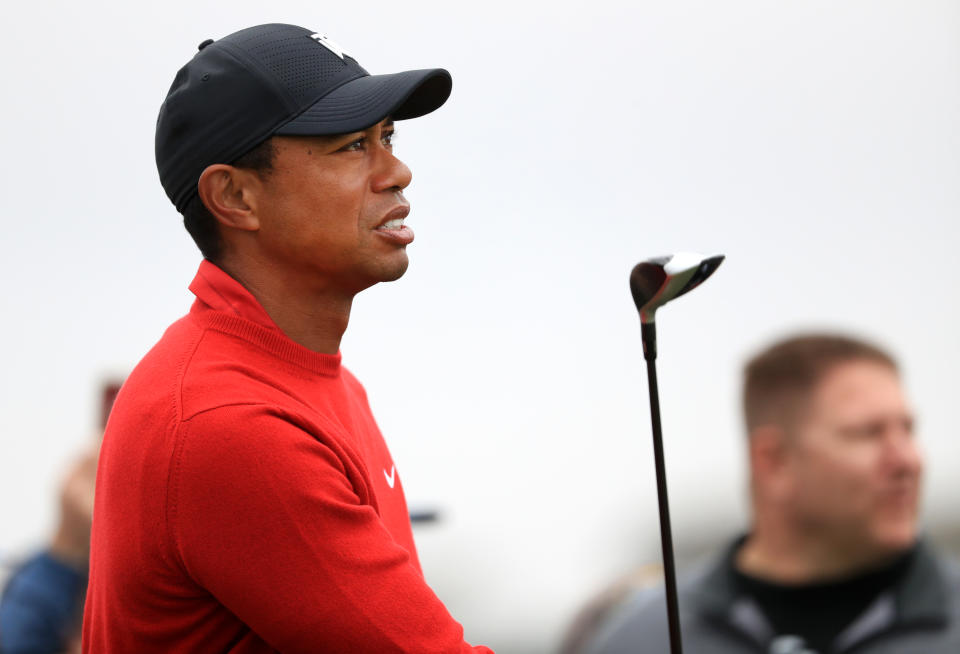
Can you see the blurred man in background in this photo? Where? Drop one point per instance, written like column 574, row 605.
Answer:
column 833, row 561
column 42, row 603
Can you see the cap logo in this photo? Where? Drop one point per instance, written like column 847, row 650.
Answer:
column 329, row 44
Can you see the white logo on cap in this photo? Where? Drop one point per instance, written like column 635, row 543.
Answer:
column 329, row 44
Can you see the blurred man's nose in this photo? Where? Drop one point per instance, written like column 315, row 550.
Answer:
column 902, row 452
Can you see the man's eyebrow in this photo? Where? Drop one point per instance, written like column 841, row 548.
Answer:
column 331, row 138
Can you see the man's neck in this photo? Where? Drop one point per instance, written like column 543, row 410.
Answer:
column 315, row 318
column 793, row 559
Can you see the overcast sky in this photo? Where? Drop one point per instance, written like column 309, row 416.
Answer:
column 814, row 143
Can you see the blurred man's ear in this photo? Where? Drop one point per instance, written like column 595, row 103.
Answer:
column 229, row 194
column 769, row 454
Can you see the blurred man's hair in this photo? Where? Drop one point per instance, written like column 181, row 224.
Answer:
column 779, row 380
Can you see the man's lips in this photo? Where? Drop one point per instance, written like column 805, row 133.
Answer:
column 392, row 226
column 900, row 496
column 394, row 217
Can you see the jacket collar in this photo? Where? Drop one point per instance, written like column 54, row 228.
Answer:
column 918, row 599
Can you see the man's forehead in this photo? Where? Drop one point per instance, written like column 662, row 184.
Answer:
column 857, row 386
column 857, row 374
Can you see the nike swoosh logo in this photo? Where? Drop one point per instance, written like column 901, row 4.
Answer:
column 391, row 477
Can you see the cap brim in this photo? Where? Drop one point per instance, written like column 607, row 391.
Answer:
column 367, row 100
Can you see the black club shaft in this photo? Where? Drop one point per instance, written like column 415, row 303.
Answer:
column 666, row 535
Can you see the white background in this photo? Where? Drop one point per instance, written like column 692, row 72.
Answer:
column 813, row 142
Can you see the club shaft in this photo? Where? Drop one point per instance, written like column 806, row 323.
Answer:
column 666, row 536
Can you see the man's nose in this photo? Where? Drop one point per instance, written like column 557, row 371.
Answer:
column 902, row 453
column 391, row 172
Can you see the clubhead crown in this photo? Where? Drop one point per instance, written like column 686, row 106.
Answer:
column 656, row 281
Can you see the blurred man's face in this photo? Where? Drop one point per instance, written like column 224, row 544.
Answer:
column 853, row 463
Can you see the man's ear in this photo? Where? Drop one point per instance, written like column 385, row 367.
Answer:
column 769, row 458
column 229, row 194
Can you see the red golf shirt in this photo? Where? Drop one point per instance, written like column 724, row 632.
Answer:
column 246, row 502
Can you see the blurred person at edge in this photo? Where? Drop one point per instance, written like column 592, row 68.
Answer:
column 246, row 501
column 833, row 561
column 42, row 602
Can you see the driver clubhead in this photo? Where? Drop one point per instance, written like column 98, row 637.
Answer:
column 656, row 281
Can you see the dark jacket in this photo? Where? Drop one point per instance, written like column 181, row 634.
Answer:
column 920, row 614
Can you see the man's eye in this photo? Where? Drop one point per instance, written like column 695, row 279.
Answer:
column 868, row 431
column 355, row 146
column 388, row 138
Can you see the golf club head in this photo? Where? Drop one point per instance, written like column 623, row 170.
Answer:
column 656, row 281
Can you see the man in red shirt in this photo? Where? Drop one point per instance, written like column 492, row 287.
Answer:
column 246, row 501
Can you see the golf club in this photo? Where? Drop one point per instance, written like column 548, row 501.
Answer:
column 653, row 283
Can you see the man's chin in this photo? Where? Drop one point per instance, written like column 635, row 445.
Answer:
column 894, row 539
column 396, row 271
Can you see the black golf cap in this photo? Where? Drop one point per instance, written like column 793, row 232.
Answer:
column 275, row 79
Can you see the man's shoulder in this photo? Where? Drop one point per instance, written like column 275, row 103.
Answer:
column 222, row 372
column 638, row 623
column 151, row 385
column 695, row 586
column 179, row 336
column 190, row 370
column 949, row 565
column 948, row 568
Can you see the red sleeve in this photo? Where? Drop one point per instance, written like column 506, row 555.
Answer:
column 264, row 516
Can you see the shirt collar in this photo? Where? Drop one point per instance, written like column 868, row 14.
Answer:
column 221, row 292
column 223, row 304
